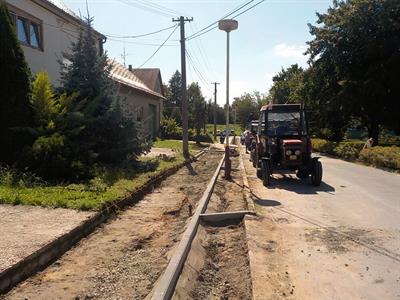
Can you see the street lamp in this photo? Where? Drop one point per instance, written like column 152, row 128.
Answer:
column 227, row 25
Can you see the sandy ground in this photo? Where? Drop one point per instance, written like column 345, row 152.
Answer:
column 25, row 229
column 337, row 241
column 228, row 194
column 155, row 152
column 123, row 259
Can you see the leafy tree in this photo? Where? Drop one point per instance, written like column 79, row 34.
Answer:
column 197, row 107
column 173, row 102
column 356, row 51
column 246, row 107
column 287, row 86
column 15, row 110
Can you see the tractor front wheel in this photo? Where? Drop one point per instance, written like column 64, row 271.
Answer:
column 266, row 172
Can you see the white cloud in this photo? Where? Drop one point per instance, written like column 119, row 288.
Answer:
column 268, row 79
column 293, row 51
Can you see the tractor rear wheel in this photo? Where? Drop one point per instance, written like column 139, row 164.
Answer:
column 316, row 174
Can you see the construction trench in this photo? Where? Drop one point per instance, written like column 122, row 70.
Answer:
column 132, row 255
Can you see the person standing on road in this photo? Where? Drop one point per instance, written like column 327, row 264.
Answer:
column 247, row 140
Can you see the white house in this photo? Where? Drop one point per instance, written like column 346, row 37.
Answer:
column 46, row 29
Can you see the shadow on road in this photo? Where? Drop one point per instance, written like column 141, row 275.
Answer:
column 299, row 186
column 267, row 202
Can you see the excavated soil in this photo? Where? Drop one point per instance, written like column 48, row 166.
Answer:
column 226, row 271
column 123, row 258
column 228, row 195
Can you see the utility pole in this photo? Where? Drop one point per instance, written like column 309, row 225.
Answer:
column 185, row 135
column 215, row 109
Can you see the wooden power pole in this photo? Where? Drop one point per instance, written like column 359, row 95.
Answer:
column 185, row 117
column 215, row 109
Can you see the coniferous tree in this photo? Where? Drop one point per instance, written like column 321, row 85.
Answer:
column 15, row 109
column 172, row 104
column 104, row 134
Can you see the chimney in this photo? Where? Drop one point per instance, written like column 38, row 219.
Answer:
column 130, row 68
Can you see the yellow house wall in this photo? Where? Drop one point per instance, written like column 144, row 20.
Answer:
column 58, row 34
column 132, row 100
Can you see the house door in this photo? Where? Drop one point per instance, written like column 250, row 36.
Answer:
column 153, row 120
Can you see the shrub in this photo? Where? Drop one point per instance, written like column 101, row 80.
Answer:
column 324, row 146
column 170, row 129
column 393, row 140
column 384, row 157
column 15, row 178
column 348, row 150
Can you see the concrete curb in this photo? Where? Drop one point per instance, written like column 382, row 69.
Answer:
column 56, row 248
column 166, row 285
column 246, row 188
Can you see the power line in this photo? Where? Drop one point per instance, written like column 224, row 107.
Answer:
column 203, row 54
column 162, row 8
column 246, row 10
column 138, row 35
column 155, row 52
column 141, row 44
column 196, row 62
column 225, row 16
column 235, row 16
column 148, row 8
column 200, row 76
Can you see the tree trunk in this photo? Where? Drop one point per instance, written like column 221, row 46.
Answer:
column 373, row 130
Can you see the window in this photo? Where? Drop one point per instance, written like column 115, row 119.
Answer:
column 29, row 29
column 286, row 123
column 34, row 35
column 22, row 30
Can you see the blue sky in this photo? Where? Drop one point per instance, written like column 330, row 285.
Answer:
column 270, row 36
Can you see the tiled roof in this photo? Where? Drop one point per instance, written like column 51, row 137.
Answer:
column 123, row 76
column 150, row 77
column 61, row 5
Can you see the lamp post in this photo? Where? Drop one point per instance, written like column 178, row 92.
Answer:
column 227, row 25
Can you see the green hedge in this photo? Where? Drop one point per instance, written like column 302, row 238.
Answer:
column 384, row 157
column 348, row 150
column 387, row 157
column 171, row 130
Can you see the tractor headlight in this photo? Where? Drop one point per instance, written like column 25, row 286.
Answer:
column 288, row 152
column 297, row 152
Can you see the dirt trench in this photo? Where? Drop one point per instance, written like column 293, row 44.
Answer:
column 217, row 266
column 123, row 258
column 228, row 195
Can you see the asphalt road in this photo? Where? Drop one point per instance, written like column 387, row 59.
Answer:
column 337, row 241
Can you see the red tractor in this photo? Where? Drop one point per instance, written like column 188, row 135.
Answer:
column 283, row 144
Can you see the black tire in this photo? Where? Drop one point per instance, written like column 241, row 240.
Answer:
column 316, row 174
column 253, row 158
column 266, row 173
column 301, row 174
column 259, row 173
